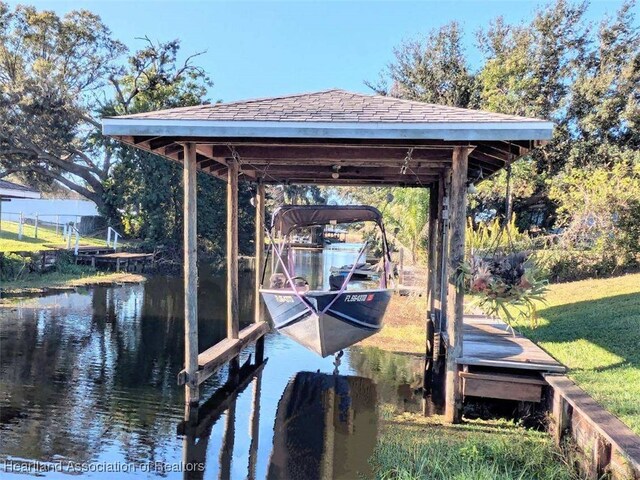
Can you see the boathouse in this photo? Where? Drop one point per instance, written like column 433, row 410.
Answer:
column 334, row 137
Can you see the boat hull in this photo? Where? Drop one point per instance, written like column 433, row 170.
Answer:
column 352, row 317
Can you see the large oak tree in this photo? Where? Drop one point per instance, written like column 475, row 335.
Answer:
column 58, row 76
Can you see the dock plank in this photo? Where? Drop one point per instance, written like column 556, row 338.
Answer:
column 489, row 342
column 223, row 351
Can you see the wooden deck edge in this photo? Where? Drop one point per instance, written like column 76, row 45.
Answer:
column 502, row 386
column 214, row 357
column 607, row 425
column 543, row 367
column 499, row 377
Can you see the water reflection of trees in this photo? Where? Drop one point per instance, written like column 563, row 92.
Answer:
column 80, row 370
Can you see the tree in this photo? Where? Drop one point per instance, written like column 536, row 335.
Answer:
column 604, row 107
column 50, row 68
column 409, row 211
column 555, row 66
column 599, row 207
column 433, row 69
column 59, row 76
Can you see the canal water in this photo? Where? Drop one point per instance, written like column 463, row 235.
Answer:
column 88, row 387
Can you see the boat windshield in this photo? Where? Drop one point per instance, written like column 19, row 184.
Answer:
column 332, row 257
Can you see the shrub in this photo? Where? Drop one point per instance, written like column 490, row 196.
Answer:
column 599, row 209
column 562, row 265
column 13, row 266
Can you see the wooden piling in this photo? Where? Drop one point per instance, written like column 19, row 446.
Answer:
column 432, row 264
column 440, row 296
column 192, row 394
column 233, row 308
column 455, row 294
column 260, row 213
column 431, row 272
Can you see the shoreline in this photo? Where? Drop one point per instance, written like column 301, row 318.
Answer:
column 56, row 282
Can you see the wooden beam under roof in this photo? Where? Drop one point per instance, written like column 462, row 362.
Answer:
column 249, row 154
column 353, row 182
column 434, row 157
column 326, row 153
column 345, row 170
column 157, row 142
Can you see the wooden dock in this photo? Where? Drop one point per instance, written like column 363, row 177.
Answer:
column 104, row 256
column 119, row 260
column 489, row 342
column 499, row 363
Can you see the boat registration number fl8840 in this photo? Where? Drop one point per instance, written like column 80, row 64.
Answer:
column 359, row 298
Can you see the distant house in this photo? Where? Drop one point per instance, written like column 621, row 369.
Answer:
column 27, row 203
column 9, row 191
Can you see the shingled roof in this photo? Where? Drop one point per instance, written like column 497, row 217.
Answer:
column 333, row 137
column 14, row 190
column 333, row 105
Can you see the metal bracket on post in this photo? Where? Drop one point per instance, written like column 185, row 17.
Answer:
column 184, row 378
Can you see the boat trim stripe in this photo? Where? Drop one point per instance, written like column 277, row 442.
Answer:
column 348, row 319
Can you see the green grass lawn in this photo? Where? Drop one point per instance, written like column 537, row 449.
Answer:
column 593, row 327
column 411, row 446
column 9, row 241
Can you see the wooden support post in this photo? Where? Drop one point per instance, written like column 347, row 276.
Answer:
column 192, row 393
column 508, row 201
column 561, row 413
column 440, row 298
column 260, row 213
column 35, row 233
column 233, row 310
column 432, row 265
column 455, row 294
column 430, row 353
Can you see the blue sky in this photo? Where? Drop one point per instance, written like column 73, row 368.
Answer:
column 257, row 49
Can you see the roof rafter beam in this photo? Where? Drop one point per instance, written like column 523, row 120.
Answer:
column 325, row 153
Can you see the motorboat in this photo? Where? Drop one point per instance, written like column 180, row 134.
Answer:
column 343, row 312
